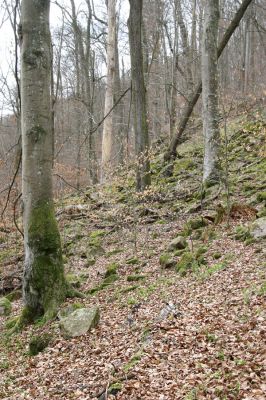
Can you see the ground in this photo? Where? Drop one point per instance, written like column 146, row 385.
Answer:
column 161, row 335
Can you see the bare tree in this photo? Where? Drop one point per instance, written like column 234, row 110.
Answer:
column 138, row 95
column 209, row 73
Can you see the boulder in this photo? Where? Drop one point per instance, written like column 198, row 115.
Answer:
column 258, row 228
column 5, row 306
column 80, row 322
column 179, row 243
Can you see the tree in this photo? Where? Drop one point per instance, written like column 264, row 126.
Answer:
column 171, row 151
column 109, row 142
column 209, row 73
column 44, row 285
column 139, row 95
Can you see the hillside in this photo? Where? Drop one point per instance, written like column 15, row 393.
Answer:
column 177, row 274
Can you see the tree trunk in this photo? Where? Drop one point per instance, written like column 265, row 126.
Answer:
column 171, row 151
column 209, row 73
column 44, row 286
column 139, row 96
column 108, row 127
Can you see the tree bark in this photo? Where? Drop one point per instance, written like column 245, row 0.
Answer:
column 44, row 286
column 210, row 112
column 171, row 151
column 143, row 178
column 108, row 151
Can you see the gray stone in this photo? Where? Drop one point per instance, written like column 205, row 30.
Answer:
column 258, row 228
column 80, row 322
column 179, row 243
column 5, row 306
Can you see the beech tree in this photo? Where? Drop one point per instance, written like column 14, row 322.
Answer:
column 44, row 285
column 211, row 134
column 138, row 95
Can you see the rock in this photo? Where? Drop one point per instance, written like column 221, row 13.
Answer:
column 179, row 243
column 5, row 306
column 258, row 228
column 80, row 322
column 66, row 311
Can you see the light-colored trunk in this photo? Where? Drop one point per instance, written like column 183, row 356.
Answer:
column 108, row 126
column 138, row 95
column 186, row 48
column 44, row 286
column 211, row 166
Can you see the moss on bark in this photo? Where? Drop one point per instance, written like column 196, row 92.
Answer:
column 44, row 282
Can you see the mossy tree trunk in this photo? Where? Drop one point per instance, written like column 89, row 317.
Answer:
column 44, row 285
column 139, row 95
column 211, row 163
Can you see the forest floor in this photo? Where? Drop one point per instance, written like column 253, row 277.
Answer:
column 190, row 331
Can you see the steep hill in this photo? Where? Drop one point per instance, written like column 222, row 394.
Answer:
column 179, row 278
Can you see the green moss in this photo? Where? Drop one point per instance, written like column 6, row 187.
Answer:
column 97, row 234
column 39, row 343
column 166, row 261
column 115, row 388
column 200, row 251
column 111, row 269
column 179, row 253
column 186, row 263
column 129, row 289
column 7, row 254
column 197, row 223
column 212, row 270
column 106, row 282
column 133, row 361
column 217, row 255
column 133, row 278
column 5, row 306
column 74, row 280
column 242, row 233
column 132, row 261
column 11, row 322
column 15, row 295
column 45, row 284
column 261, row 197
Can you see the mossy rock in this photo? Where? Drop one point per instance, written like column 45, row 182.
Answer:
column 189, row 263
column 66, row 311
column 197, row 223
column 91, row 260
column 95, row 248
column 178, row 243
column 135, row 278
column 166, row 261
column 111, row 270
column 39, row 343
column 5, row 306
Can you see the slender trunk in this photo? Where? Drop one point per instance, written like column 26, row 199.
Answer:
column 108, row 150
column 139, row 95
column 210, row 112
